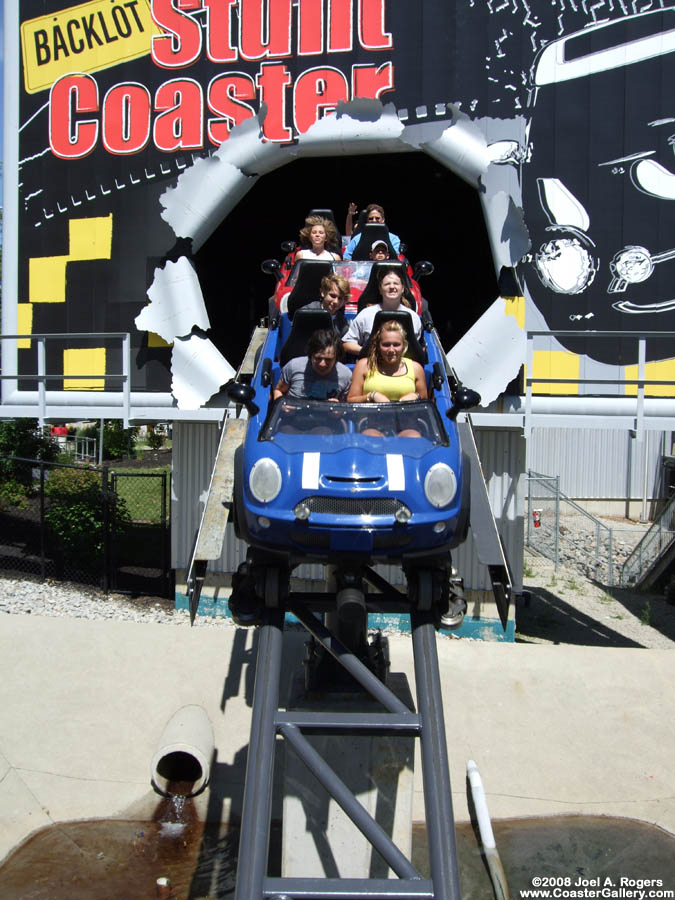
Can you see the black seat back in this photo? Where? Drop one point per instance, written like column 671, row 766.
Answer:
column 307, row 285
column 415, row 349
column 305, row 323
column 371, row 292
column 372, row 231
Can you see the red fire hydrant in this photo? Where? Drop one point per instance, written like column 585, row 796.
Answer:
column 536, row 516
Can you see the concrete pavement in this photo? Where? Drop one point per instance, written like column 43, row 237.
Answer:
column 552, row 729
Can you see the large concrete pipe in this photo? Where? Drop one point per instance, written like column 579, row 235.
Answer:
column 182, row 761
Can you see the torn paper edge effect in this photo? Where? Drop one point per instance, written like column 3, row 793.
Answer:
column 463, row 149
column 491, row 353
column 199, row 369
column 204, row 195
column 208, row 191
column 176, row 302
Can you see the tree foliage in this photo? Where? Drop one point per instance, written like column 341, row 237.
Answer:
column 23, row 437
column 79, row 513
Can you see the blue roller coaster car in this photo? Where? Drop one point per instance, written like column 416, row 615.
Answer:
column 309, row 483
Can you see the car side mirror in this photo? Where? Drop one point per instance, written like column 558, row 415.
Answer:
column 423, row 267
column 243, row 395
column 271, row 267
column 464, row 398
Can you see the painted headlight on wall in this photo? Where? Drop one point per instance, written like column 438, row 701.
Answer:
column 440, row 485
column 565, row 265
column 264, row 480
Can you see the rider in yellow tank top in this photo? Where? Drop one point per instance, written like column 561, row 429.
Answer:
column 392, row 386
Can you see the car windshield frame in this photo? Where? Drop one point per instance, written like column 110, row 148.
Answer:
column 343, row 422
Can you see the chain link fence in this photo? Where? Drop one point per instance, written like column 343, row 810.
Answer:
column 87, row 525
column 641, row 565
column 563, row 531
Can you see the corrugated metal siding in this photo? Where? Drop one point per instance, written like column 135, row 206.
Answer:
column 194, row 450
column 598, row 464
column 502, row 454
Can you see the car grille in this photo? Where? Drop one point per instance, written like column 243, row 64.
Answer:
column 321, row 541
column 353, row 506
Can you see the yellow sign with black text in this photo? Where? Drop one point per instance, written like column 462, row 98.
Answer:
column 84, row 38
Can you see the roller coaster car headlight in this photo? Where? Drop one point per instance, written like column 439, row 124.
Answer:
column 265, row 480
column 440, row 485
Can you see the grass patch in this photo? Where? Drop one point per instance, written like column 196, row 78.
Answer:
column 143, row 496
column 646, row 615
column 528, row 571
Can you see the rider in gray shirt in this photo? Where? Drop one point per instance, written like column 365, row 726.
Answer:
column 317, row 376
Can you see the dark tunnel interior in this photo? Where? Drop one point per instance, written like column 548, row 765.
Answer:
column 436, row 214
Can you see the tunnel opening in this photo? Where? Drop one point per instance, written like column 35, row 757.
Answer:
column 436, row 214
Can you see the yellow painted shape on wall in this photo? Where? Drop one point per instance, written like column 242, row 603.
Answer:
column 84, row 361
column 664, row 368
column 24, row 324
column 154, row 340
column 47, row 279
column 90, row 238
column 87, row 239
column 515, row 306
column 555, row 364
column 84, row 38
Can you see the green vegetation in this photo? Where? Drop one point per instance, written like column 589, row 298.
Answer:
column 155, row 439
column 142, row 496
column 23, row 437
column 76, row 517
column 117, row 441
column 13, row 493
column 646, row 617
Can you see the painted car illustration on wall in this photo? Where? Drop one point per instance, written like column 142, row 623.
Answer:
column 599, row 185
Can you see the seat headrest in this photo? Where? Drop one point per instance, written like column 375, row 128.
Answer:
column 371, row 232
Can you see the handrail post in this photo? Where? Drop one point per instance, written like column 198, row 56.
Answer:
column 126, row 382
column 642, row 358
column 43, row 567
column 557, row 520
column 528, row 386
column 42, row 386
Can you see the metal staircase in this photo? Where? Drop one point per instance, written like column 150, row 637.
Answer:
column 654, row 553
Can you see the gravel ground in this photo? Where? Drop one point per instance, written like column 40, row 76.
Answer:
column 58, row 599
column 560, row 606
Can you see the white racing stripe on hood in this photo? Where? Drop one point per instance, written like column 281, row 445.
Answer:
column 310, row 471
column 395, row 472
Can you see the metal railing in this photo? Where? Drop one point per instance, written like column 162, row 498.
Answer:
column 566, row 533
column 42, row 376
column 640, row 382
column 80, row 448
column 657, row 539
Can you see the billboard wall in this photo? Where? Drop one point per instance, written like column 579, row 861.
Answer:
column 132, row 128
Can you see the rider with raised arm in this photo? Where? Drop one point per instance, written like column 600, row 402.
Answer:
column 375, row 215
